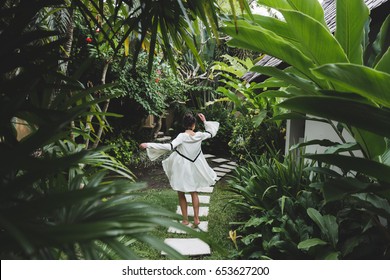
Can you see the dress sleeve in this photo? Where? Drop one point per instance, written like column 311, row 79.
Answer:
column 155, row 150
column 211, row 129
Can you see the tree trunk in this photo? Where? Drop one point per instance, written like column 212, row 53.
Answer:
column 106, row 104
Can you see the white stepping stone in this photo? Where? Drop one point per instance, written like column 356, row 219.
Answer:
column 188, row 246
column 220, row 174
column 203, row 211
column 220, row 160
column 232, row 163
column 218, row 178
column 228, row 166
column 208, row 156
column 206, row 190
column 203, row 226
column 222, row 169
column 202, row 198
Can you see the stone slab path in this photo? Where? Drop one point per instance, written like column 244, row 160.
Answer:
column 219, row 169
column 205, row 199
column 194, row 246
column 220, row 160
column 203, row 211
column 188, row 246
column 206, row 190
column 203, row 226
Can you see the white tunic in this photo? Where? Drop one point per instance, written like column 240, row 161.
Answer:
column 186, row 168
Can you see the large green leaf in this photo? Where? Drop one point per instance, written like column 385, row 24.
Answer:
column 334, row 147
column 382, row 41
column 384, row 63
column 311, row 8
column 376, row 203
column 371, row 143
column 343, row 110
column 368, row 167
column 271, row 83
column 306, row 85
column 277, row 26
column 351, row 17
column 327, row 224
column 297, row 116
column 365, row 81
column 265, row 41
column 308, row 243
column 276, row 4
column 275, row 93
column 340, row 187
column 316, row 40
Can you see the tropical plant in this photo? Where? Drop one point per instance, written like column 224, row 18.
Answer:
column 253, row 131
column 334, row 78
column 58, row 200
column 124, row 148
column 272, row 195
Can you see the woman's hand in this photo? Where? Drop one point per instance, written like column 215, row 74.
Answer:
column 143, row 146
column 202, row 117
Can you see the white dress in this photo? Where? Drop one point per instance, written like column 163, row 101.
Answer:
column 186, row 168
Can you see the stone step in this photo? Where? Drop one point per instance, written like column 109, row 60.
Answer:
column 220, row 160
column 208, row 156
column 206, row 190
column 220, row 174
column 203, row 211
column 232, row 163
column 228, row 166
column 222, row 169
column 203, row 226
column 202, row 199
column 188, row 246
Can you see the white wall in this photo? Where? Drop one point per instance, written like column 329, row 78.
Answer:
column 319, row 130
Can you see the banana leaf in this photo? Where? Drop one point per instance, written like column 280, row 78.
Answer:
column 351, row 17
column 348, row 111
column 367, row 82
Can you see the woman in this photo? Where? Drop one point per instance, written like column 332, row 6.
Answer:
column 187, row 168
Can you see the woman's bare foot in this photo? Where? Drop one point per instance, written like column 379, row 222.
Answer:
column 185, row 222
column 196, row 223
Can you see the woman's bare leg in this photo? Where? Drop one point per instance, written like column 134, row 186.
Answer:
column 183, row 207
column 195, row 204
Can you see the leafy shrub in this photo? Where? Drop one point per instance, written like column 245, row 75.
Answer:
column 343, row 80
column 248, row 139
column 283, row 214
column 125, row 149
column 272, row 196
column 223, row 115
column 153, row 92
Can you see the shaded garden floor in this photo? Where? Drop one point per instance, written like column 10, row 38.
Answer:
column 159, row 193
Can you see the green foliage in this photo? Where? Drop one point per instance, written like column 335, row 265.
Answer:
column 59, row 200
column 252, row 132
column 248, row 140
column 151, row 25
column 219, row 143
column 153, row 92
column 272, row 196
column 328, row 81
column 124, row 148
column 284, row 215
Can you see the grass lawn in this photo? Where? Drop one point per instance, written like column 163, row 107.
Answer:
column 220, row 214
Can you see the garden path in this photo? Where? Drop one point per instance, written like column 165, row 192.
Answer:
column 194, row 246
